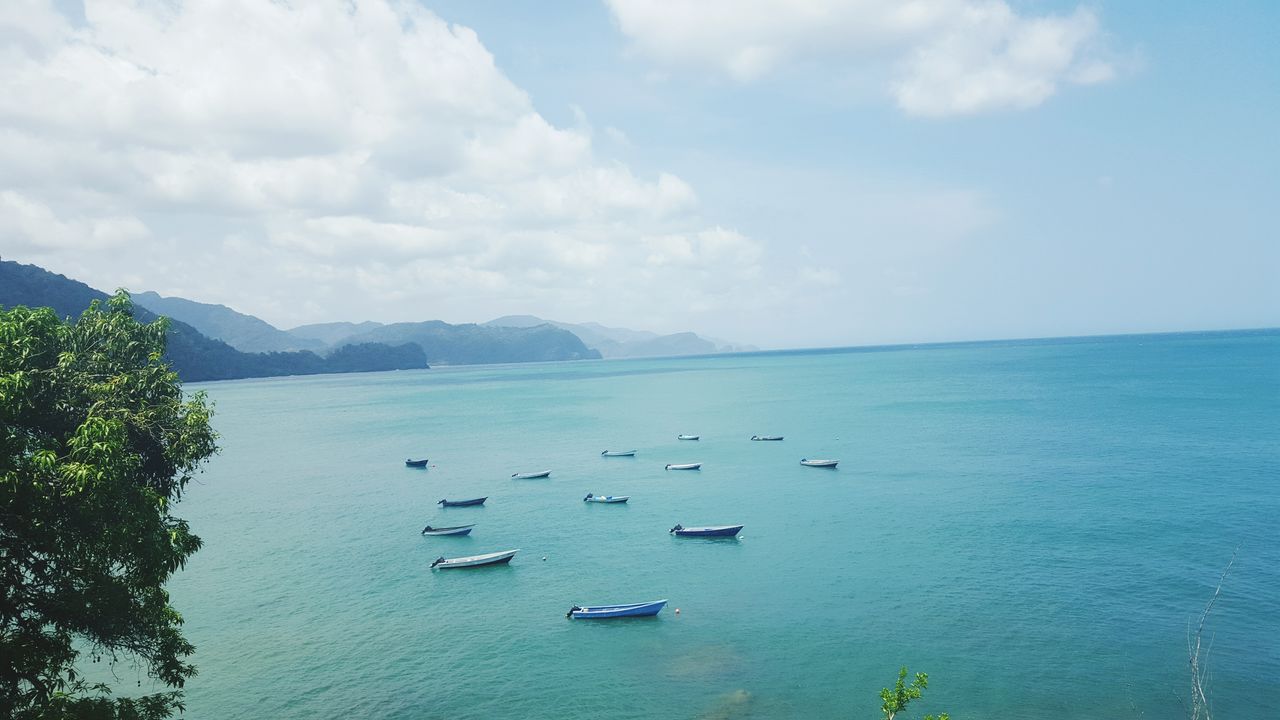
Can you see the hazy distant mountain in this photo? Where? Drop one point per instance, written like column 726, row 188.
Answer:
column 469, row 344
column 330, row 334
column 191, row 354
column 242, row 332
column 622, row 342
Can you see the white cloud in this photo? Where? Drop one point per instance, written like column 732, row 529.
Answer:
column 308, row 159
column 950, row 57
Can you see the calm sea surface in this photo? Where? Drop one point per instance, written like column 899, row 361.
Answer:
column 1033, row 524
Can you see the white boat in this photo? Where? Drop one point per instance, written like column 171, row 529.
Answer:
column 455, row 530
column 766, row 438
column 606, row 498
column 819, row 463
column 619, row 453
column 684, row 466
column 495, row 558
column 688, row 437
column 531, row 476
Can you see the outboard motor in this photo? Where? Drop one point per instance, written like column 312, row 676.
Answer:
column 438, row 561
column 572, row 610
column 425, row 529
column 588, row 497
column 677, row 527
column 440, row 503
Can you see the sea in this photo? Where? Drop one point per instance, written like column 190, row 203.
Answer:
column 1038, row 525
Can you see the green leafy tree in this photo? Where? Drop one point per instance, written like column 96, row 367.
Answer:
column 96, row 444
column 897, row 699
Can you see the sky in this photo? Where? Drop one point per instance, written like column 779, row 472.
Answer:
column 773, row 172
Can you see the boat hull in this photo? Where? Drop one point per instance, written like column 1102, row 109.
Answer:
column 685, row 466
column 607, row 499
column 531, row 476
column 463, row 503
column 498, row 558
column 819, row 463
column 441, row 532
column 618, row 453
column 416, row 463
column 688, row 437
column 718, row 531
column 604, row 612
column 766, row 438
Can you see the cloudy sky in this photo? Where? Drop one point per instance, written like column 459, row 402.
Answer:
column 777, row 172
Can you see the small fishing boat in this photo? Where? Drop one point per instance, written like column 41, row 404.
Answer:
column 766, row 438
column 710, row 531
column 684, row 466
column 688, row 437
column 819, row 463
column 496, row 558
column 619, row 453
column 606, row 498
column 455, row 530
column 645, row 609
column 463, row 503
column 416, row 463
column 531, row 476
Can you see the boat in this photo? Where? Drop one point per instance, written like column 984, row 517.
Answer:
column 416, row 463
column 819, row 463
column 495, row 558
column 588, row 612
column 684, row 466
column 766, row 438
column 710, row 531
column 463, row 503
column 456, row 530
column 619, row 453
column 531, row 476
column 688, row 437
column 606, row 498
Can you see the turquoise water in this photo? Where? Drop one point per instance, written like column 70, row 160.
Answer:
column 1033, row 524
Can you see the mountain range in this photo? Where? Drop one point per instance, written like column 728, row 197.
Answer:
column 215, row 342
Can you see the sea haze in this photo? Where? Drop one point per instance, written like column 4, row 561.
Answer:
column 1033, row 524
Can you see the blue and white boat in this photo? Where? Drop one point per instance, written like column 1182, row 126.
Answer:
column 531, row 476
column 684, row 466
column 416, row 463
column 497, row 558
column 818, row 463
column 618, row 453
column 606, row 498
column 463, row 503
column 708, row 531
column 455, row 530
column 589, row 612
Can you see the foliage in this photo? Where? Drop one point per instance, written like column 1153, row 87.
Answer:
column 96, row 443
column 897, row 699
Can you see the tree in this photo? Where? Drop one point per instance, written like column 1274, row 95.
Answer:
column 896, row 700
column 96, row 444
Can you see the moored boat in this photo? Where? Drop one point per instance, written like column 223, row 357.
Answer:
column 684, row 466
column 532, row 475
column 463, row 503
column 606, row 498
column 618, row 453
column 588, row 612
column 455, row 530
column 688, row 437
column 496, row 558
column 819, row 463
column 766, row 438
column 416, row 463
column 708, row 531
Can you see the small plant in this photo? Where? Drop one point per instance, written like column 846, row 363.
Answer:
column 897, row 699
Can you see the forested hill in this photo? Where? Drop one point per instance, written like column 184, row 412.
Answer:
column 194, row 356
